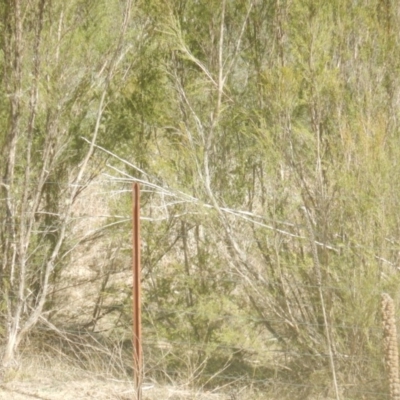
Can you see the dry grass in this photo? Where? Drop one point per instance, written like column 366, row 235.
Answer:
column 54, row 375
column 53, row 380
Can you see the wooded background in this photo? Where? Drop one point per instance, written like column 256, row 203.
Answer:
column 265, row 135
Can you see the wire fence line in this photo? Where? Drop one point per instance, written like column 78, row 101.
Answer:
column 245, row 216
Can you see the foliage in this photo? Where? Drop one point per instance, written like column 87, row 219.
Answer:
column 238, row 115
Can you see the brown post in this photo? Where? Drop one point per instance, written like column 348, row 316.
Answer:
column 137, row 318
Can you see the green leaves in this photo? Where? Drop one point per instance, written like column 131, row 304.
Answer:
column 236, row 113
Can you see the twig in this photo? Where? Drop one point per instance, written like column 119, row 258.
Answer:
column 317, row 269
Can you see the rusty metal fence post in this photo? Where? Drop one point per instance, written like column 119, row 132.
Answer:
column 136, row 293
